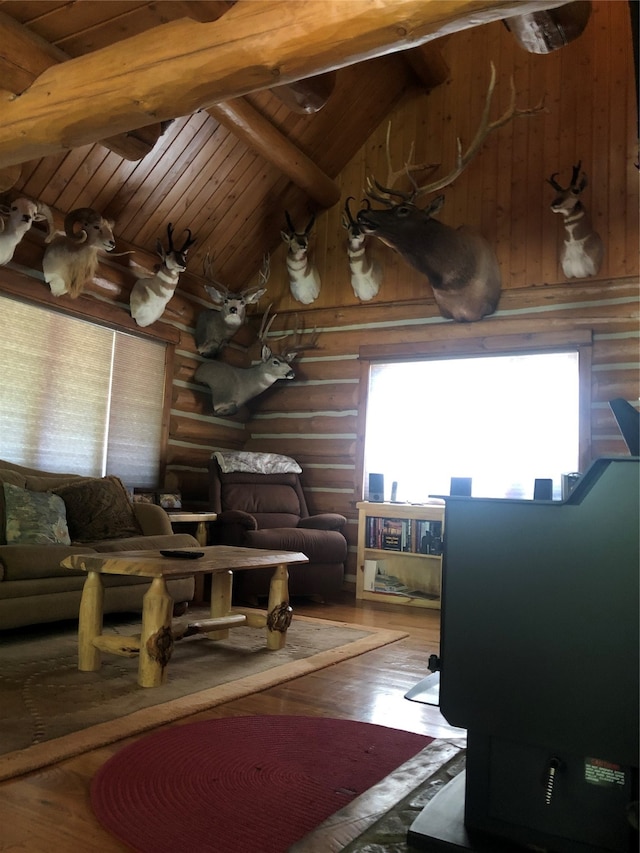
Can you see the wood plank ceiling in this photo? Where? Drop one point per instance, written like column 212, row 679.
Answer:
column 200, row 174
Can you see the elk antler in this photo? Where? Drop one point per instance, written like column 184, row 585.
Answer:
column 462, row 160
column 384, row 192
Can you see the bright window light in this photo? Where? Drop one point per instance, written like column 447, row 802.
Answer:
column 501, row 420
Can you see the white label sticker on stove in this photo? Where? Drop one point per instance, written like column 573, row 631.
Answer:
column 599, row 772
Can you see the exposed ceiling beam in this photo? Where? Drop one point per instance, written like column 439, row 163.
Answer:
column 428, row 65
column 25, row 55
column 183, row 66
column 248, row 124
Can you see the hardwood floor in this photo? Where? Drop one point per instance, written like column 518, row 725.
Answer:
column 50, row 810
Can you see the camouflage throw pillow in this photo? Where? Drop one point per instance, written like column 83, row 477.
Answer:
column 34, row 518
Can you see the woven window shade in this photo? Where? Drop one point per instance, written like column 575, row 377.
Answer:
column 77, row 397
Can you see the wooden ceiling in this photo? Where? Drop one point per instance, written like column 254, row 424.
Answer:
column 181, row 89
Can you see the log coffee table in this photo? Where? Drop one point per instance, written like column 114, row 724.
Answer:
column 155, row 645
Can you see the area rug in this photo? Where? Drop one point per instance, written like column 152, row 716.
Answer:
column 242, row 784
column 50, row 711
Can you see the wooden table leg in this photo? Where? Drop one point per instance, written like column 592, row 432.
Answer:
column 221, row 588
column 201, row 533
column 156, row 641
column 90, row 623
column 278, row 610
column 201, row 536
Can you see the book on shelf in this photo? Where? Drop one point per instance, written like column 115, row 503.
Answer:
column 416, row 536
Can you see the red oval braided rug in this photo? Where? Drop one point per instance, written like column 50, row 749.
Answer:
column 242, row 784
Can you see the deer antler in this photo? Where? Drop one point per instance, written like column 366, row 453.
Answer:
column 207, row 269
column 289, row 352
column 462, row 160
column 265, row 327
column 296, row 345
column 265, row 271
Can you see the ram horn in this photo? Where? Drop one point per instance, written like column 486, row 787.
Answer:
column 82, row 214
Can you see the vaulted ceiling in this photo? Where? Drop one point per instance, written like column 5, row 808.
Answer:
column 157, row 112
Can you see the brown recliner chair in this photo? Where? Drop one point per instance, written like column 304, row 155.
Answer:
column 269, row 510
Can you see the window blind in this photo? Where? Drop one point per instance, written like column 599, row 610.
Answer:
column 78, row 397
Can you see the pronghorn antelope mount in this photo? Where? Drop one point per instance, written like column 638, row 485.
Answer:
column 21, row 214
column 71, row 258
column 150, row 296
column 232, row 386
column 304, row 279
column 583, row 251
column 216, row 327
column 366, row 272
column 459, row 263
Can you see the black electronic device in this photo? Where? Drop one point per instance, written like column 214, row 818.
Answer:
column 182, row 555
column 543, row 489
column 550, row 708
column 376, row 487
column 461, row 486
column 628, row 420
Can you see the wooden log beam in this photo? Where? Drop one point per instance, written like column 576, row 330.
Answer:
column 24, row 56
column 184, row 66
column 309, row 95
column 428, row 65
column 248, row 124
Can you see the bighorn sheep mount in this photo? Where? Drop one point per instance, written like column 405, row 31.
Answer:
column 150, row 296
column 215, row 328
column 21, row 213
column 232, row 386
column 304, row 279
column 366, row 272
column 461, row 266
column 583, row 251
column 71, row 258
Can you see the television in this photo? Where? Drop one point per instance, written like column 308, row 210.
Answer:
column 539, row 662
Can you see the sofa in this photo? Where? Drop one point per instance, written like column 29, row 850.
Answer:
column 261, row 504
column 45, row 517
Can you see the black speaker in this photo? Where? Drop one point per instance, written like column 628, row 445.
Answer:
column 543, row 489
column 376, row 487
column 460, row 486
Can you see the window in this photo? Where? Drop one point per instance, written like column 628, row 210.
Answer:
column 504, row 420
column 78, row 397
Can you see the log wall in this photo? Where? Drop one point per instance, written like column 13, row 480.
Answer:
column 591, row 115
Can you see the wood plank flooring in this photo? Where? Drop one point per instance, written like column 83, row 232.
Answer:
column 50, row 810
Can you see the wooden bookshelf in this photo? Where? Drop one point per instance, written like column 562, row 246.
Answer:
column 400, row 553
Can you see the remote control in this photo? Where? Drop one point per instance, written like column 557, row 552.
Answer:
column 183, row 555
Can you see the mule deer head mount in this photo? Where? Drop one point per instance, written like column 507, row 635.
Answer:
column 215, row 327
column 460, row 265
column 583, row 251
column 232, row 386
